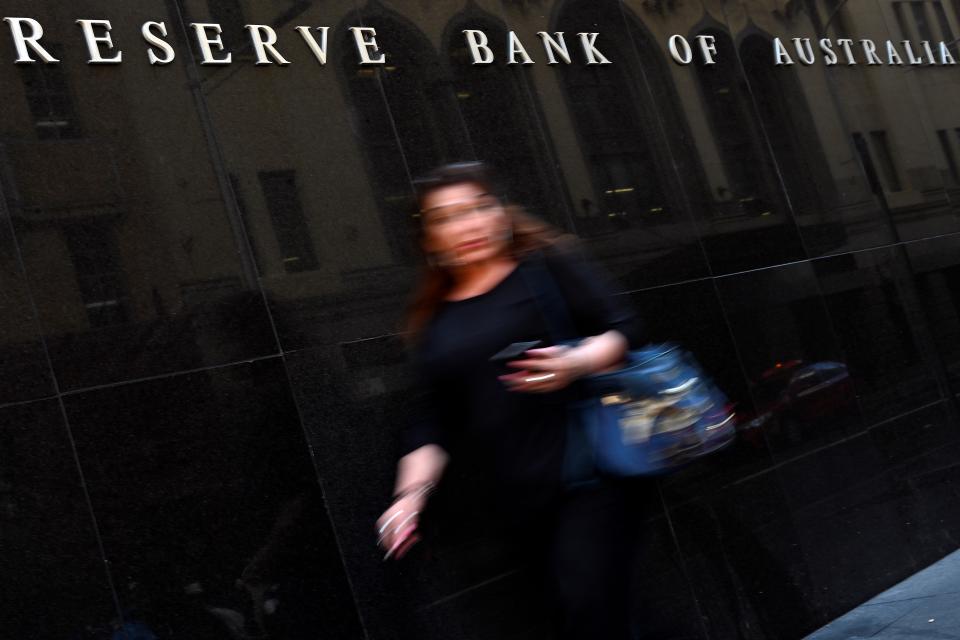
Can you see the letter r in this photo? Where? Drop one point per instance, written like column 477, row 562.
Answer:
column 21, row 41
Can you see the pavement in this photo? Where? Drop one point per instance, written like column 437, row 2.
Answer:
column 925, row 606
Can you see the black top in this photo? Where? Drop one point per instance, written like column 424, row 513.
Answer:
column 516, row 438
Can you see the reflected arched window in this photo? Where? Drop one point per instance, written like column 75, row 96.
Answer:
column 752, row 184
column 630, row 125
column 789, row 126
column 500, row 112
column 406, row 119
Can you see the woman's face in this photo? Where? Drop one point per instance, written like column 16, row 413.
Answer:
column 462, row 223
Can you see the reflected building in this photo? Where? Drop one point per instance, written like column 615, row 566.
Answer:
column 242, row 239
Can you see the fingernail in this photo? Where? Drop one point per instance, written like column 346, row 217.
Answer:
column 395, row 546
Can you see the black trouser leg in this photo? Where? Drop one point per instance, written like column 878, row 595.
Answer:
column 592, row 559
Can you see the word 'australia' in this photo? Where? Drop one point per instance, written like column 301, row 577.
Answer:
column 27, row 36
column 885, row 52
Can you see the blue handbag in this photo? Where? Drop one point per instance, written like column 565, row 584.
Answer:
column 657, row 413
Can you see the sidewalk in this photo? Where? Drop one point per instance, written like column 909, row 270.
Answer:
column 924, row 606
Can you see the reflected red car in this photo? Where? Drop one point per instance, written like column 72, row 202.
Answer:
column 794, row 393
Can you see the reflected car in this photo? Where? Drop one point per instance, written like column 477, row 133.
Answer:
column 795, row 393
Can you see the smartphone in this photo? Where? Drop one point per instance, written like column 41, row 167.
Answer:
column 514, row 351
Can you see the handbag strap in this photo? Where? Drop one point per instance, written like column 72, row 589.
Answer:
column 549, row 299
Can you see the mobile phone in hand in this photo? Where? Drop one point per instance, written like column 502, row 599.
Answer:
column 514, row 351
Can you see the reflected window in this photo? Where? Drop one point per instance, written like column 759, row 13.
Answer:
column 788, row 127
column 752, row 184
column 837, row 18
column 49, row 98
column 631, row 126
column 289, row 225
column 924, row 20
column 499, row 110
column 229, row 15
column 866, row 159
column 96, row 261
column 406, row 118
column 881, row 149
column 920, row 19
column 948, row 154
column 906, row 19
column 621, row 160
column 245, row 218
column 946, row 31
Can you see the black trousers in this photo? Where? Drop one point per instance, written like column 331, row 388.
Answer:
column 582, row 551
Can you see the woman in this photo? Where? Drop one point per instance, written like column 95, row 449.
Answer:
column 473, row 302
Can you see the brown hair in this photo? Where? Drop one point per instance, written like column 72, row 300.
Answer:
column 529, row 234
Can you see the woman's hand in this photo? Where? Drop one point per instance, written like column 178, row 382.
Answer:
column 547, row 369
column 397, row 527
column 553, row 368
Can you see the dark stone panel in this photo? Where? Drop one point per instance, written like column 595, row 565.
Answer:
column 855, row 544
column 936, row 269
column 24, row 373
column 877, row 316
column 350, row 399
column 823, row 473
column 372, row 305
column 499, row 608
column 56, row 584
column 210, row 511
column 915, row 435
column 889, row 515
column 932, row 520
column 742, row 555
column 802, row 387
column 664, row 604
column 132, row 245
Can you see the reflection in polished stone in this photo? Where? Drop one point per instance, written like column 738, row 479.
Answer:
column 209, row 508
column 55, row 584
column 167, row 231
column 24, row 372
column 936, row 267
column 874, row 310
column 131, row 253
column 800, row 381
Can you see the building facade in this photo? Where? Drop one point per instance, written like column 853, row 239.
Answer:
column 203, row 268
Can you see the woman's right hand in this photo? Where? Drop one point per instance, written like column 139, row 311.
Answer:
column 397, row 528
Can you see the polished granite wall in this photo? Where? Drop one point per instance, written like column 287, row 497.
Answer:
column 202, row 272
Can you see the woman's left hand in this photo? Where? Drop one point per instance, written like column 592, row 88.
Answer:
column 546, row 369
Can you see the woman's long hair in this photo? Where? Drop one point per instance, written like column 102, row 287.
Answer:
column 529, row 234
